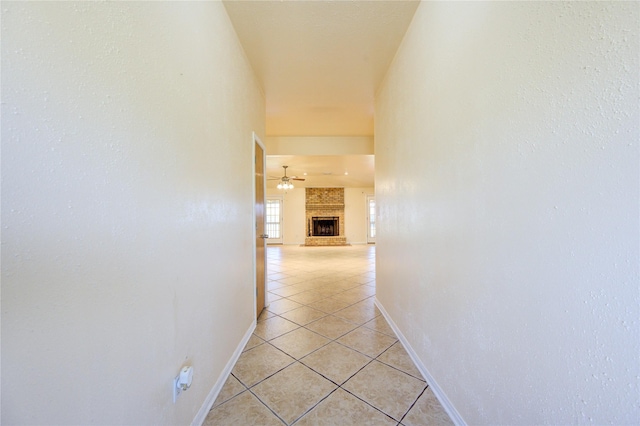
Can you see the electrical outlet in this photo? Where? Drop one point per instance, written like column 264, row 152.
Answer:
column 177, row 390
column 182, row 382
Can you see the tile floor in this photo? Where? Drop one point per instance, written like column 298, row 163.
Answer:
column 321, row 353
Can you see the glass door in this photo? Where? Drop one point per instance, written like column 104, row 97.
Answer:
column 273, row 227
column 371, row 219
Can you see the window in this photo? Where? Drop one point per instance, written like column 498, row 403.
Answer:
column 273, row 226
column 371, row 218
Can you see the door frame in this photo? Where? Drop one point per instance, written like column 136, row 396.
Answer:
column 256, row 140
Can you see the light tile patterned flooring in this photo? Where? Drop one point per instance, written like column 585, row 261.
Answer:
column 321, row 353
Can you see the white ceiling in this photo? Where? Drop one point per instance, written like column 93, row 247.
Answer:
column 320, row 62
column 323, row 170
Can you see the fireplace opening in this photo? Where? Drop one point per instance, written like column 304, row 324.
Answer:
column 325, row 227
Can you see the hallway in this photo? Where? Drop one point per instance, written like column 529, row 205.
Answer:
column 322, row 354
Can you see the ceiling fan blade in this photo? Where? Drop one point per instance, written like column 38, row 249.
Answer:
column 297, row 179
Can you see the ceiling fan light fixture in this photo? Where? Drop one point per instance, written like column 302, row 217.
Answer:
column 285, row 183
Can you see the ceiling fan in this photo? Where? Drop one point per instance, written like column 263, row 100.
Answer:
column 285, row 181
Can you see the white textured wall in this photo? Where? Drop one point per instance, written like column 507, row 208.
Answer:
column 507, row 186
column 355, row 214
column 294, row 216
column 126, row 207
column 292, row 220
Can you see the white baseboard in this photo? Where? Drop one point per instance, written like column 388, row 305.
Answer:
column 222, row 379
column 456, row 418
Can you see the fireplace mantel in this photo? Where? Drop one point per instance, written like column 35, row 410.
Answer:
column 324, row 206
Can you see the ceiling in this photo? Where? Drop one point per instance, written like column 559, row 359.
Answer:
column 322, row 170
column 319, row 64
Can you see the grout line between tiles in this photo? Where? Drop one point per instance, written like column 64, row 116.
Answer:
column 270, row 375
column 373, row 406
column 396, row 368
column 268, row 408
column 318, row 403
column 414, row 403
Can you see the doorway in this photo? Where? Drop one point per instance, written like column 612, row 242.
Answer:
column 259, row 162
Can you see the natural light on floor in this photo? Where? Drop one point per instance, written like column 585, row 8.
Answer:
column 321, row 353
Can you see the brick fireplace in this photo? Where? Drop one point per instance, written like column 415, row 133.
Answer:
column 324, row 217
